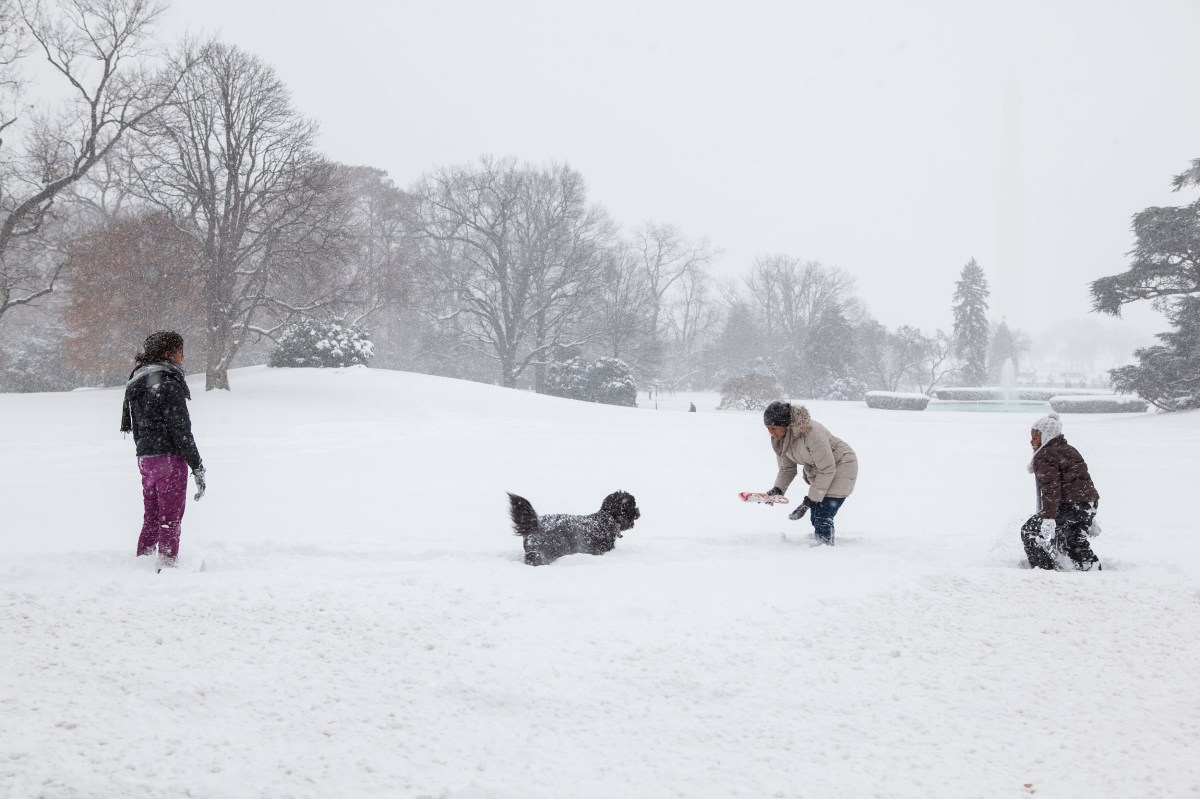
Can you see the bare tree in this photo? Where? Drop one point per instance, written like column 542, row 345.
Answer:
column 563, row 241
column 893, row 359
column 129, row 275
column 623, row 307
column 98, row 50
column 13, row 47
column 665, row 255
column 691, row 316
column 235, row 165
column 937, row 363
column 905, row 358
column 789, row 295
column 520, row 250
column 383, row 252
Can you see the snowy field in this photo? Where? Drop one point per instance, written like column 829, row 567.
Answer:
column 364, row 625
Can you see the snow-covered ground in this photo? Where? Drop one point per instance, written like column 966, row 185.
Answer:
column 364, row 625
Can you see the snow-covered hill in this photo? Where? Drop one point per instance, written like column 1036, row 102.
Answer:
column 364, row 625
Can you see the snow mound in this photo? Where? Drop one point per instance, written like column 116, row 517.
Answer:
column 364, row 625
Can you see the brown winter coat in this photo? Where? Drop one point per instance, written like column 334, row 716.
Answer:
column 1062, row 476
column 830, row 465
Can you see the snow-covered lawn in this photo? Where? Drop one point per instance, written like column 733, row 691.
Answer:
column 364, row 625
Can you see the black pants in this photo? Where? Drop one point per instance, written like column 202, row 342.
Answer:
column 1070, row 538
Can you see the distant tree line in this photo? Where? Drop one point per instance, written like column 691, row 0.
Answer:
column 178, row 186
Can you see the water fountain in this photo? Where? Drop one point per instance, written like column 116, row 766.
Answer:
column 1005, row 398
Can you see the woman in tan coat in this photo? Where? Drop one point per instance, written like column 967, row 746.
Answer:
column 829, row 465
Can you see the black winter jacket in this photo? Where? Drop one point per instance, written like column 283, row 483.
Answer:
column 155, row 411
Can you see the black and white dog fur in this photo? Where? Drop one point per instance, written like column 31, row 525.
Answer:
column 548, row 538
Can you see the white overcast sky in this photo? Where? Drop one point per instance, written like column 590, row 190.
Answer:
column 893, row 139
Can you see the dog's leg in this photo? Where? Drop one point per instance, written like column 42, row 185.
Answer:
column 535, row 558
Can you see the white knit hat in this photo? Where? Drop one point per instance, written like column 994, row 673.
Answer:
column 1050, row 426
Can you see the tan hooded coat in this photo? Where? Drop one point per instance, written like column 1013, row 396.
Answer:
column 830, row 465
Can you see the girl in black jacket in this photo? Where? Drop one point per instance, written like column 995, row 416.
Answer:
column 155, row 411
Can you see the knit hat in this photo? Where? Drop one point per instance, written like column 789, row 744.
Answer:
column 1049, row 426
column 778, row 414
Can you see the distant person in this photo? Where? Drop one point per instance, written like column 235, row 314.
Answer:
column 1067, row 502
column 828, row 464
column 155, row 411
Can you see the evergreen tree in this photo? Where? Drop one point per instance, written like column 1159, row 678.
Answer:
column 567, row 377
column 1004, row 348
column 1168, row 374
column 1166, row 270
column 739, row 348
column 1166, row 258
column 829, row 354
column 970, row 324
column 607, row 380
column 319, row 343
column 610, row 380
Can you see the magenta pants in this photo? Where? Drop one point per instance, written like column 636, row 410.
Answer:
column 164, row 493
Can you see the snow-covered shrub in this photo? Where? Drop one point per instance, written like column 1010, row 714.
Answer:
column 611, row 382
column 896, row 401
column 32, row 360
column 321, row 343
column 846, row 389
column 1015, row 393
column 607, row 380
column 568, row 378
column 968, row 394
column 749, row 392
column 1038, row 394
column 1098, row 404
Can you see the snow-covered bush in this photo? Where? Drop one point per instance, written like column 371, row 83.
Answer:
column 1098, row 404
column 607, row 380
column 749, row 392
column 568, row 378
column 968, row 394
column 1015, row 393
column 896, row 401
column 321, row 343
column 846, row 389
column 33, row 361
column 611, row 382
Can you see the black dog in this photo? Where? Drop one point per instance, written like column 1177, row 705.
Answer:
column 548, row 538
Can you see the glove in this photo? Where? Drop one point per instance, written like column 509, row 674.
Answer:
column 799, row 512
column 1049, row 526
column 775, row 491
column 1094, row 530
column 198, row 476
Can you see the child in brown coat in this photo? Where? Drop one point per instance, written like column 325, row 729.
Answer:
column 1067, row 502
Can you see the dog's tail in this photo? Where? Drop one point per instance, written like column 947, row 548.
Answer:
column 525, row 520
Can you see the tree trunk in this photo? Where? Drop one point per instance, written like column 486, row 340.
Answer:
column 216, row 373
column 217, row 378
column 508, row 377
column 539, row 368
